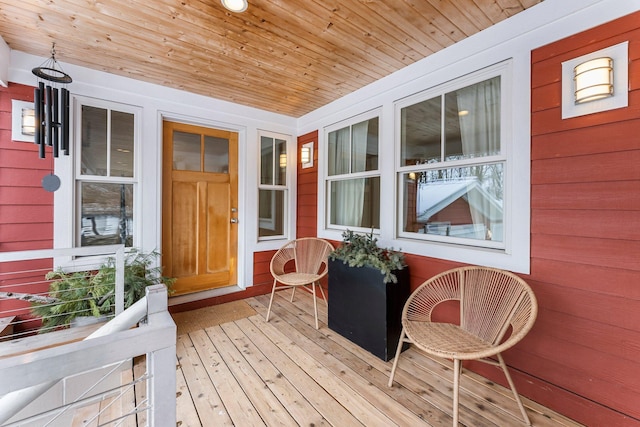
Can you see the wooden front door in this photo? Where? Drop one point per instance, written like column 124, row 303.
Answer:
column 199, row 207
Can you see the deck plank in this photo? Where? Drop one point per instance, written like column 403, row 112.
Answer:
column 360, row 376
column 196, row 365
column 186, row 413
column 265, row 367
column 264, row 401
column 426, row 382
column 314, row 393
column 287, row 372
column 345, row 387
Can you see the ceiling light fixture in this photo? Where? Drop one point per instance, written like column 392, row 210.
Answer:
column 235, row 5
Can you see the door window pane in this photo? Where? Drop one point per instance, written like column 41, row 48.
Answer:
column 106, row 214
column 186, row 151
column 216, row 154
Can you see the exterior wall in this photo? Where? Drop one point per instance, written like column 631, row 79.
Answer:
column 26, row 209
column 156, row 104
column 307, row 218
column 581, row 357
column 586, row 236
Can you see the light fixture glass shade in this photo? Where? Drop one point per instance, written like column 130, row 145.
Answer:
column 305, row 155
column 28, row 122
column 593, row 80
column 235, row 5
column 283, row 160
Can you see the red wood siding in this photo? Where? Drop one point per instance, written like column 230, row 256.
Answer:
column 585, row 241
column 26, row 209
column 307, row 205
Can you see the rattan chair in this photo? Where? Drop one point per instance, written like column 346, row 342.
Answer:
column 301, row 262
column 497, row 309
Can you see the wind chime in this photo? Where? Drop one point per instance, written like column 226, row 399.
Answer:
column 51, row 111
column 52, row 107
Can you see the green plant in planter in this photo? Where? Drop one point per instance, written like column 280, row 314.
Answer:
column 359, row 250
column 93, row 294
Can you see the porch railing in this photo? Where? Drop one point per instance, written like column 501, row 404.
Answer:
column 23, row 281
column 69, row 359
column 28, row 374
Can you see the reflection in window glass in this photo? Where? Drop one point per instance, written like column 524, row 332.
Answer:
column 465, row 202
column 355, row 202
column 216, row 154
column 186, row 151
column 272, row 212
column 471, row 117
column 266, row 160
column 354, row 148
column 421, row 132
column 281, row 156
column 122, row 138
column 94, row 141
column 106, row 214
column 273, row 161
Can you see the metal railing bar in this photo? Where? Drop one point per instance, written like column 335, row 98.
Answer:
column 88, row 390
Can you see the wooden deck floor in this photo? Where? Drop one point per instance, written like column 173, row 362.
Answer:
column 285, row 372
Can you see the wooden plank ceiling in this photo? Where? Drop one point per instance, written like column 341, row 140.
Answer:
column 285, row 56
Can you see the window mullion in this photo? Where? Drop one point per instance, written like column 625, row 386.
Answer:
column 108, row 172
column 443, row 128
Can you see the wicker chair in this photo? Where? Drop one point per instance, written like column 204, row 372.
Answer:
column 494, row 304
column 300, row 262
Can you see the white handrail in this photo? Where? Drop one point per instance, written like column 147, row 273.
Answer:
column 33, row 370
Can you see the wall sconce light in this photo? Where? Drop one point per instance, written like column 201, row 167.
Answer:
column 28, row 124
column 306, row 155
column 235, row 5
column 593, row 79
column 23, row 122
column 283, row 160
column 590, row 84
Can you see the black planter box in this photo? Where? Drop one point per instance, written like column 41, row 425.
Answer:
column 365, row 310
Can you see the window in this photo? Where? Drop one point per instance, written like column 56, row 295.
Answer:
column 273, row 190
column 353, row 174
column 106, row 176
column 452, row 165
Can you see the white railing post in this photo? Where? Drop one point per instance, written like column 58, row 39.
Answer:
column 161, row 363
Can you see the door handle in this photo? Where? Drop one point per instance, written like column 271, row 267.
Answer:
column 234, row 220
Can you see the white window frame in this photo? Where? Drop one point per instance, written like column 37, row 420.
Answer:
column 285, row 188
column 71, row 167
column 514, row 253
column 328, row 179
column 441, row 91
